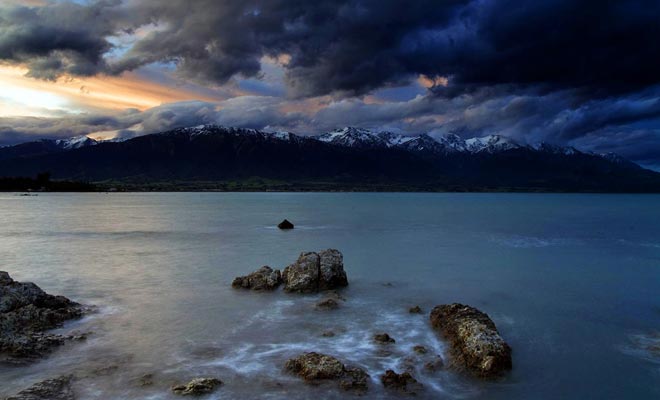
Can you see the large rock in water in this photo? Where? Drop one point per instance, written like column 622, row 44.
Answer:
column 26, row 312
column 265, row 278
column 476, row 345
column 314, row 367
column 315, row 271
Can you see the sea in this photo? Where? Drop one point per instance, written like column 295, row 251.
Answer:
column 572, row 282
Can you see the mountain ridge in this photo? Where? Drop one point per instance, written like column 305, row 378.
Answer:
column 343, row 159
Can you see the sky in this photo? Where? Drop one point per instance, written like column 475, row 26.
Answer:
column 568, row 72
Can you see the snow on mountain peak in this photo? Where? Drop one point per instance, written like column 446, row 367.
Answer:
column 352, row 137
column 75, row 142
column 490, row 144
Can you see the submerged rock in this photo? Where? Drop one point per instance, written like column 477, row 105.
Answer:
column 265, row 278
column 415, row 310
column 475, row 344
column 285, row 224
column 51, row 389
column 383, row 338
column 331, row 301
column 317, row 367
column 313, row 272
column 26, row 312
column 197, row 386
column 419, row 349
column 403, row 382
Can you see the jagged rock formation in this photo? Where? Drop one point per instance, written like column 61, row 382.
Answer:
column 313, row 272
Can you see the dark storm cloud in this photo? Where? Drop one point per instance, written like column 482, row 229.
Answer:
column 351, row 46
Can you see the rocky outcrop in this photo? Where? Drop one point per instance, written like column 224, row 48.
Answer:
column 313, row 272
column 26, row 312
column 197, row 387
column 265, row 278
column 285, row 224
column 475, row 344
column 51, row 389
column 403, row 382
column 314, row 367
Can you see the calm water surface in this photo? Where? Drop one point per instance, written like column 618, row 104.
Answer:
column 572, row 282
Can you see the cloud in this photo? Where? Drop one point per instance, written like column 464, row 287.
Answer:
column 562, row 71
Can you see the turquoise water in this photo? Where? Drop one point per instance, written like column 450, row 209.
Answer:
column 572, row 282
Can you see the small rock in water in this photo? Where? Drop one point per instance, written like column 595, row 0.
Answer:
column 197, row 386
column 51, row 389
column 383, row 338
column 419, row 349
column 328, row 334
column 265, row 278
column 415, row 310
column 476, row 345
column 314, row 367
column 403, row 382
column 146, row 380
column 313, row 272
column 327, row 304
column 354, row 379
column 331, row 301
column 285, row 224
column 435, row 365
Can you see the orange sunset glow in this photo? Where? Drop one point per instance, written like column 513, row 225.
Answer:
column 22, row 95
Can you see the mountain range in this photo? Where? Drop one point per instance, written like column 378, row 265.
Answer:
column 224, row 158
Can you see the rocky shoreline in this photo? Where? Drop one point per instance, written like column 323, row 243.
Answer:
column 26, row 314
column 475, row 346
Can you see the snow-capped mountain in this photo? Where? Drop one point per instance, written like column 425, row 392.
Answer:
column 75, row 142
column 345, row 158
column 490, row 144
column 360, row 137
column 212, row 129
column 352, row 137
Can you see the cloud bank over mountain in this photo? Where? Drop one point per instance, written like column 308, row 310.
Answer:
column 581, row 73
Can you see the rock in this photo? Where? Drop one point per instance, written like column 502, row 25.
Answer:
column 285, row 224
column 265, row 278
column 434, row 365
column 354, row 379
column 26, row 312
column 419, row 349
column 331, row 301
column 197, row 386
column 146, row 380
column 328, row 334
column 313, row 272
column 51, row 389
column 332, row 274
column 475, row 344
column 327, row 304
column 303, row 275
column 415, row 310
column 383, row 338
column 403, row 382
column 314, row 367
